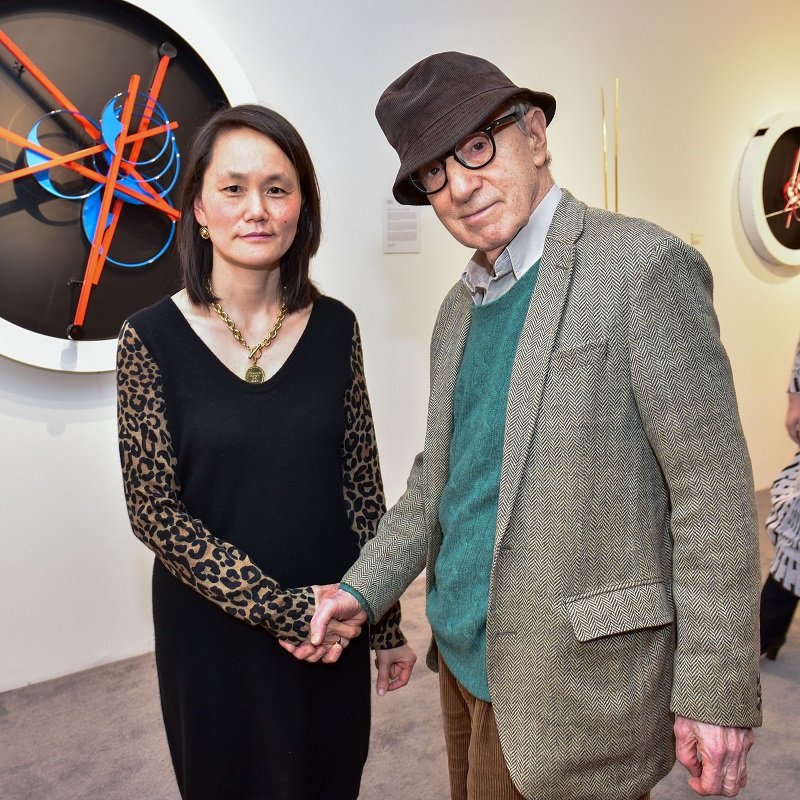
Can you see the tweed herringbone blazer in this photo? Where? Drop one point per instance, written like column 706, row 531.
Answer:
column 625, row 576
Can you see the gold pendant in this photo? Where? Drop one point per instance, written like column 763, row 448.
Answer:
column 254, row 374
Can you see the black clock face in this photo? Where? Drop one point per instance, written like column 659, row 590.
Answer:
column 89, row 49
column 781, row 188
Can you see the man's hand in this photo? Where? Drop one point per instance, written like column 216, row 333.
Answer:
column 793, row 417
column 335, row 605
column 394, row 668
column 338, row 618
column 334, row 636
column 715, row 756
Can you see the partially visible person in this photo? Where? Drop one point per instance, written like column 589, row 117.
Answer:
column 250, row 464
column 583, row 505
column 781, row 589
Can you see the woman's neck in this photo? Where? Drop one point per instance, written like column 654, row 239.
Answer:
column 249, row 292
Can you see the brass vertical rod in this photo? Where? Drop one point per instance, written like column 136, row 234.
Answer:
column 605, row 147
column 616, row 144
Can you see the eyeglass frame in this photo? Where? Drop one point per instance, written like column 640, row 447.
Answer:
column 506, row 119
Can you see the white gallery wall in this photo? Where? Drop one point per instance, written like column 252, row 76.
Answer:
column 697, row 77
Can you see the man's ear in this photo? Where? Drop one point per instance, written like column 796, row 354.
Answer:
column 536, row 129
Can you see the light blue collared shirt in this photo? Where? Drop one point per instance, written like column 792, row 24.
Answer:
column 522, row 252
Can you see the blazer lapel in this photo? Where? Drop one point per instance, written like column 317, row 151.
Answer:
column 436, row 464
column 536, row 342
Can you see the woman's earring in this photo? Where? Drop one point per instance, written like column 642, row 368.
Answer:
column 204, row 234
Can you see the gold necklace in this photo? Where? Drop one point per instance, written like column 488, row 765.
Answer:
column 254, row 373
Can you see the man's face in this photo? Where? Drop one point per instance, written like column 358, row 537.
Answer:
column 485, row 208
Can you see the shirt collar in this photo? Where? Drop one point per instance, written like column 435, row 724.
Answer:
column 523, row 251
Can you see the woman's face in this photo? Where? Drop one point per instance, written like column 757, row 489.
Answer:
column 250, row 200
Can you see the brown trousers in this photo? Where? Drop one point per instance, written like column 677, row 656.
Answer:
column 475, row 761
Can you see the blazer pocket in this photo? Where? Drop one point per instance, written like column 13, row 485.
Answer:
column 578, row 353
column 577, row 387
column 619, row 610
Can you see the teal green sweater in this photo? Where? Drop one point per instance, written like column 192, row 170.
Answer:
column 458, row 601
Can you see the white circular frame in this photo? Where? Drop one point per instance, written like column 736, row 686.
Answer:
column 48, row 352
column 751, row 196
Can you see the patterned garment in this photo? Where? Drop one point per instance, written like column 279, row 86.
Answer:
column 783, row 521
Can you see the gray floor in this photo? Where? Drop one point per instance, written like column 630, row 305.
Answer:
column 98, row 735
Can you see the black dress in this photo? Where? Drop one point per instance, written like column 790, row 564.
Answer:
column 242, row 490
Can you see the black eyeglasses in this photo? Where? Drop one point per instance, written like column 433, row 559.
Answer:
column 473, row 152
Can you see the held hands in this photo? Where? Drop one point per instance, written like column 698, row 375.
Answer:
column 337, row 620
column 334, row 606
column 715, row 756
column 341, row 624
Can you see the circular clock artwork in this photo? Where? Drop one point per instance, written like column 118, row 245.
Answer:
column 98, row 98
column 769, row 190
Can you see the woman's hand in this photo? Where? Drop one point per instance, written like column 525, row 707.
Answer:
column 394, row 668
column 337, row 634
column 793, row 417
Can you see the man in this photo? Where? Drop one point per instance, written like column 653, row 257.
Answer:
column 583, row 503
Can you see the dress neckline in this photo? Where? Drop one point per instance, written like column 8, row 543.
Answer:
column 211, row 357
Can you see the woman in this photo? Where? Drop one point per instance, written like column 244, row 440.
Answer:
column 249, row 465
column 782, row 587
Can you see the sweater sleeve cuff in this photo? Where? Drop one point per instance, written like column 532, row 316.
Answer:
column 358, row 596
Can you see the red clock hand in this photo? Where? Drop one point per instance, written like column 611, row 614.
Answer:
column 791, row 191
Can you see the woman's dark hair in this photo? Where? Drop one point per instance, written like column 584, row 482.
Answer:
column 195, row 253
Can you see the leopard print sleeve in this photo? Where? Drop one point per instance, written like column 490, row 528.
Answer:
column 362, row 483
column 216, row 569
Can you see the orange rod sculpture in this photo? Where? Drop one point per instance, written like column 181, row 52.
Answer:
column 104, row 233
column 105, row 203
column 108, row 235
column 156, row 202
column 57, row 94
column 64, row 161
column 67, row 104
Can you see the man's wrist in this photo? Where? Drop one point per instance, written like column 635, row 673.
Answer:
column 361, row 601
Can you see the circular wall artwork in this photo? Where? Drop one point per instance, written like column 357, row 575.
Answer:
column 98, row 98
column 769, row 190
